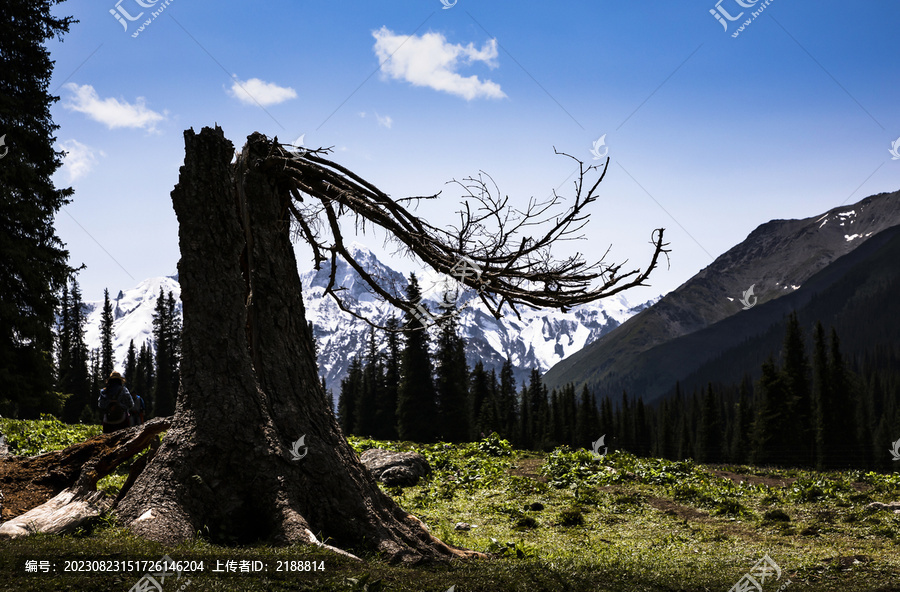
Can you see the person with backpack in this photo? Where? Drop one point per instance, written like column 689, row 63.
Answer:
column 116, row 404
column 137, row 415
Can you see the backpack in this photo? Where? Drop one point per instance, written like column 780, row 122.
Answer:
column 115, row 413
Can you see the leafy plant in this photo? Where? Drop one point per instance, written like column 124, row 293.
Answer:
column 570, row 517
column 37, row 436
column 493, row 445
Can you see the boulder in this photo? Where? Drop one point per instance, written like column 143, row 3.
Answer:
column 403, row 469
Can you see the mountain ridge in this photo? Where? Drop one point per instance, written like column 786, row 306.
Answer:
column 538, row 339
column 775, row 257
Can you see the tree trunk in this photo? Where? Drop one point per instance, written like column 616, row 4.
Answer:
column 249, row 386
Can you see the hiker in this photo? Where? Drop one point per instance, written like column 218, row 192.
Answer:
column 116, row 404
column 137, row 415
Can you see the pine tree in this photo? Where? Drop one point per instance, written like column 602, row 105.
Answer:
column 348, row 400
column 452, row 382
column 386, row 403
column 480, row 397
column 743, row 417
column 416, row 406
column 607, row 418
column 130, row 362
column 709, row 432
column 522, row 429
column 641, row 431
column 823, row 396
column 541, row 414
column 489, row 418
column 845, row 402
column 33, row 266
column 107, row 356
column 78, row 382
column 167, row 336
column 771, row 426
column 801, row 449
column 507, row 402
column 143, row 382
column 370, row 391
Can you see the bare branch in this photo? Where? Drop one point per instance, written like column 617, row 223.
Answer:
column 514, row 267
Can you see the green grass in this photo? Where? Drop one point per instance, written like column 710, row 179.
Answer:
column 617, row 523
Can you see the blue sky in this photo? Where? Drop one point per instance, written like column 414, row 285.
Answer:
column 709, row 134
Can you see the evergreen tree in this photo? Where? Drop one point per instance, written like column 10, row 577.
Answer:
column 843, row 436
column 348, row 401
column 540, row 398
column 488, row 418
column 130, row 363
column 507, row 406
column 78, row 381
column 823, row 396
column 143, row 382
column 569, row 417
column 522, row 432
column 107, row 356
column 34, row 263
column 416, row 406
column 626, row 425
column 452, row 382
column 607, row 419
column 709, row 433
column 743, row 417
column 167, row 336
column 801, row 448
column 771, row 425
column 386, row 401
column 480, row 396
column 64, row 341
column 641, row 431
column 370, row 392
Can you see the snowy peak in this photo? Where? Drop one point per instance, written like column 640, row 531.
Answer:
column 347, row 278
column 132, row 314
column 536, row 339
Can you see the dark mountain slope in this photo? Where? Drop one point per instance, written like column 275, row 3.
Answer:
column 857, row 294
column 776, row 257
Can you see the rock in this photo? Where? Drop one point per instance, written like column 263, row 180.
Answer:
column 462, row 526
column 403, row 469
column 4, row 449
column 893, row 506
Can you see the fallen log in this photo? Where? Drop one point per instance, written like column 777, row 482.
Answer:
column 62, row 513
column 56, row 491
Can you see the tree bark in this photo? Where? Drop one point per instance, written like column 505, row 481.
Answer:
column 249, row 386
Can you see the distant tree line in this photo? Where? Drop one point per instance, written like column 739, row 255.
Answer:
column 805, row 410
column 150, row 371
column 405, row 391
column 815, row 411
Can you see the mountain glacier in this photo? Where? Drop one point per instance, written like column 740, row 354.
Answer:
column 538, row 338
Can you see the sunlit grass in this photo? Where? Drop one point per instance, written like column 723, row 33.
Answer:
column 562, row 521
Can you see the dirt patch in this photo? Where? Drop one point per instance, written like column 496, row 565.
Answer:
column 528, row 467
column 736, row 478
column 28, row 481
column 667, row 506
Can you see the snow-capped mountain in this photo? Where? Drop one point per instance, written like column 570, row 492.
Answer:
column 538, row 339
column 133, row 314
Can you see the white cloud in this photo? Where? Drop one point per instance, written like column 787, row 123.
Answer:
column 79, row 159
column 112, row 112
column 385, row 121
column 429, row 60
column 256, row 91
